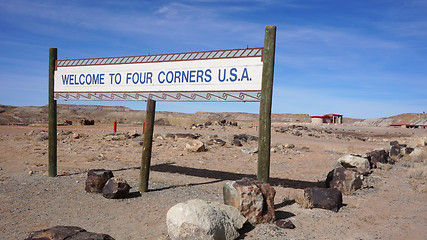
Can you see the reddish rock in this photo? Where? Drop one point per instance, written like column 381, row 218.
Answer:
column 254, row 199
column 115, row 188
column 345, row 180
column 96, row 180
column 67, row 232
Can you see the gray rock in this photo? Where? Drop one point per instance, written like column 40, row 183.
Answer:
column 216, row 141
column 67, row 232
column 345, row 180
column 354, row 161
column 198, row 219
column 250, row 150
column 42, row 136
column 254, row 199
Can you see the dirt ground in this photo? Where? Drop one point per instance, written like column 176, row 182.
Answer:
column 394, row 206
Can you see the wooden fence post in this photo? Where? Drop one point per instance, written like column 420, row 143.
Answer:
column 52, row 168
column 264, row 134
column 147, row 144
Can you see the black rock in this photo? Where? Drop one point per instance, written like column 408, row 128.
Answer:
column 325, row 198
column 67, row 232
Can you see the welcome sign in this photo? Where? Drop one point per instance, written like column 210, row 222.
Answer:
column 224, row 75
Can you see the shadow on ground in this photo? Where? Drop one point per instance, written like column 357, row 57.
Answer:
column 230, row 176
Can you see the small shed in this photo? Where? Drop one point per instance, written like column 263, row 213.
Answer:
column 327, row 118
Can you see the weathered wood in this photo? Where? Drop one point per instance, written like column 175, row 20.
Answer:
column 264, row 133
column 147, row 146
column 52, row 168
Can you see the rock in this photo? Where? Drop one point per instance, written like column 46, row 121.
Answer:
column 394, row 143
column 287, row 224
column 134, row 134
column 198, row 219
column 187, row 135
column 406, row 150
column 217, row 141
column 355, row 161
column 417, row 153
column 254, row 199
column 245, row 137
column 289, row 145
column 250, row 150
column 76, row 135
column 236, row 142
column 377, row 156
column 195, row 146
column 42, row 136
column 222, row 122
column 96, row 179
column 67, row 232
column 395, row 151
column 115, row 188
column 325, row 198
column 420, row 141
column 345, row 180
column 62, row 133
column 87, row 122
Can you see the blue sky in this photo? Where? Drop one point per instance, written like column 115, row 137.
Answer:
column 362, row 59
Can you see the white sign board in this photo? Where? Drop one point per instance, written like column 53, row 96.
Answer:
column 225, row 75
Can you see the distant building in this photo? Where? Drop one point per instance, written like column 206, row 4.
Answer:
column 327, row 118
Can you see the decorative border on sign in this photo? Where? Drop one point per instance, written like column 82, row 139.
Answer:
column 171, row 57
column 230, row 96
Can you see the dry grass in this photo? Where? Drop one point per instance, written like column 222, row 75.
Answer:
column 417, row 170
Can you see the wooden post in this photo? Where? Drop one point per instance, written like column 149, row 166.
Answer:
column 147, row 146
column 52, row 168
column 264, row 134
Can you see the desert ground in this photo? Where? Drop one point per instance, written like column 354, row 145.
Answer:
column 392, row 204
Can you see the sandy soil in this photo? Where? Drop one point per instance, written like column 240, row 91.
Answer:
column 393, row 207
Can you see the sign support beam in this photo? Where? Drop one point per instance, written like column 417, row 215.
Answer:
column 147, row 146
column 264, row 134
column 52, row 168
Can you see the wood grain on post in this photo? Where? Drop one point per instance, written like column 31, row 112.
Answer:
column 52, row 168
column 264, row 133
column 144, row 172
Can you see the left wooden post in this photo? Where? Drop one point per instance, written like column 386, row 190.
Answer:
column 52, row 168
column 147, row 144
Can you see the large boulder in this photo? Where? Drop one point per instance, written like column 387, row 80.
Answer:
column 254, row 199
column 325, row 198
column 67, row 232
column 345, row 180
column 378, row 156
column 198, row 219
column 116, row 188
column 96, row 179
column 354, row 161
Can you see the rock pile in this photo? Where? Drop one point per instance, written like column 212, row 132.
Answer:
column 103, row 181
